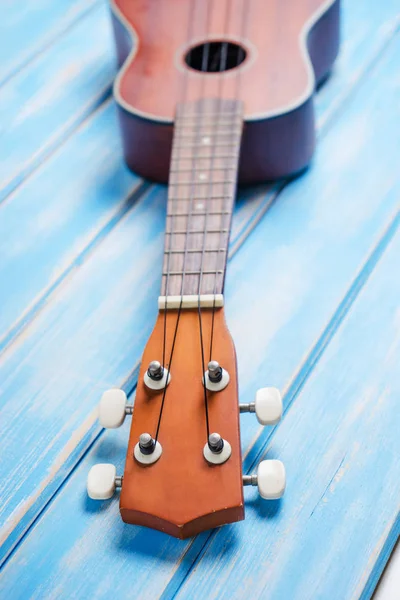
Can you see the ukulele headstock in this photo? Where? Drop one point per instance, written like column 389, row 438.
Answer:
column 179, row 476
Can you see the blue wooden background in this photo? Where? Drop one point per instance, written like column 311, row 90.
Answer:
column 319, row 259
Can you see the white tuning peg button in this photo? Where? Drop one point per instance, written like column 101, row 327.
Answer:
column 102, row 481
column 113, row 408
column 267, row 406
column 270, row 479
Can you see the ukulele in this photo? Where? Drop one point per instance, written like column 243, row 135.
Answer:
column 209, row 93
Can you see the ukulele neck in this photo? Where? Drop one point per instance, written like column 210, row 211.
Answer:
column 201, row 194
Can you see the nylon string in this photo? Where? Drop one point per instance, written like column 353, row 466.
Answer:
column 222, row 67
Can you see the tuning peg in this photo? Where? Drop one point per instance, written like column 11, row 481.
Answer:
column 270, row 479
column 267, row 406
column 156, row 377
column 102, row 481
column 113, row 408
column 215, row 378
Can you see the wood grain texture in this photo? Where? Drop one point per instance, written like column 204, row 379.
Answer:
column 200, row 496
column 389, row 583
column 299, row 40
column 342, row 225
column 26, row 30
column 337, row 277
column 159, row 60
column 341, row 448
column 44, row 102
column 62, row 217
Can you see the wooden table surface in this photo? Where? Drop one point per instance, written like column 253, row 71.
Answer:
column 312, row 300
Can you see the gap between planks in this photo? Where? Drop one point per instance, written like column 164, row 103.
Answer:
column 50, row 42
column 261, row 213
column 276, row 189
column 19, row 326
column 260, row 445
column 76, row 121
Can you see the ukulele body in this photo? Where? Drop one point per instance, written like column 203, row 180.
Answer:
column 290, row 48
column 209, row 93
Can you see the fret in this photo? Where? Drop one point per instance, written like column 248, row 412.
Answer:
column 200, row 214
column 175, row 273
column 199, row 145
column 206, row 197
column 210, row 157
column 202, row 183
column 206, row 134
column 187, row 199
column 192, row 224
column 194, row 231
column 213, row 157
column 200, row 135
column 194, row 250
column 182, row 242
column 194, row 183
column 183, row 118
column 196, row 207
column 204, row 176
column 200, row 169
column 198, row 157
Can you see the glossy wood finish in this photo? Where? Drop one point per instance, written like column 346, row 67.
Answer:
column 273, row 79
column 181, row 494
column 79, row 302
column 275, row 83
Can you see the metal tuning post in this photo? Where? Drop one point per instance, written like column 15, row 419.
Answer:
column 216, row 378
column 147, row 451
column 155, row 370
column 156, row 376
column 217, row 450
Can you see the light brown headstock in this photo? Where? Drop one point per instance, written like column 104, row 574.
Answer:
column 181, row 493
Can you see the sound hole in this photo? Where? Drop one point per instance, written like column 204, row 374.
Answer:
column 215, row 57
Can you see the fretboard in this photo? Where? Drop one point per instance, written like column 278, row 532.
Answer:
column 201, row 194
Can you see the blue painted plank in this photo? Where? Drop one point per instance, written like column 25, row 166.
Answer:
column 332, row 532
column 24, row 301
column 66, row 206
column 366, row 29
column 21, row 302
column 42, row 104
column 316, row 230
column 389, row 583
column 26, row 28
column 148, row 210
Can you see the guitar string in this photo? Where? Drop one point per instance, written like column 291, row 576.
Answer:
column 243, row 31
column 183, row 95
column 222, row 67
column 205, row 54
column 223, row 60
